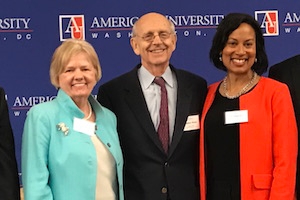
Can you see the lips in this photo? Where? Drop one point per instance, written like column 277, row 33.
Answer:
column 78, row 84
column 239, row 60
column 156, row 50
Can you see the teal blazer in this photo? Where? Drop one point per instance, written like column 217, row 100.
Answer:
column 58, row 166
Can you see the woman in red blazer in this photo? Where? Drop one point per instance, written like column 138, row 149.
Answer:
column 248, row 141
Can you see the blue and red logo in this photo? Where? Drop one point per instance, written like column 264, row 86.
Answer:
column 268, row 21
column 71, row 26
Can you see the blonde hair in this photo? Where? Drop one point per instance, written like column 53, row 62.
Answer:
column 63, row 54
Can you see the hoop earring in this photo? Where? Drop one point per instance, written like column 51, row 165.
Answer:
column 255, row 60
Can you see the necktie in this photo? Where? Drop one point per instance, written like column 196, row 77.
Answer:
column 163, row 128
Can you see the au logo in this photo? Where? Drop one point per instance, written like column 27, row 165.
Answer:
column 268, row 21
column 71, row 26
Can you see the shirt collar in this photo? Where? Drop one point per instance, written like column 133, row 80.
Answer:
column 146, row 78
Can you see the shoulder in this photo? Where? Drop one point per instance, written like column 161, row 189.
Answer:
column 192, row 83
column 269, row 81
column 270, row 84
column 214, row 85
column 45, row 108
column 189, row 75
column 105, row 111
column 2, row 97
column 109, row 115
column 42, row 116
column 105, row 117
column 286, row 64
column 101, row 111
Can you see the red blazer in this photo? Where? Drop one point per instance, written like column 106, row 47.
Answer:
column 268, row 142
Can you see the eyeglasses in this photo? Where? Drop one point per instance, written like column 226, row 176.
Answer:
column 149, row 37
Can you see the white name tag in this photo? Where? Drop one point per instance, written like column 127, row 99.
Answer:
column 84, row 126
column 236, row 116
column 192, row 123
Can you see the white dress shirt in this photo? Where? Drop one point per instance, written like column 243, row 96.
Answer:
column 151, row 93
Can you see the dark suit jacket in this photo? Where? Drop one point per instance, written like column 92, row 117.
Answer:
column 9, row 180
column 150, row 174
column 288, row 71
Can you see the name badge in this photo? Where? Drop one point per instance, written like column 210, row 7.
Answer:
column 192, row 123
column 84, row 126
column 236, row 116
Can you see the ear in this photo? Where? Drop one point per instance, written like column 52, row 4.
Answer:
column 135, row 46
column 57, row 82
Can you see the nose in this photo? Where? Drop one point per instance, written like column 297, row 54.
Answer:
column 240, row 49
column 78, row 74
column 156, row 39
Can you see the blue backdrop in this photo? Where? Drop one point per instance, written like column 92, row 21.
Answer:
column 31, row 30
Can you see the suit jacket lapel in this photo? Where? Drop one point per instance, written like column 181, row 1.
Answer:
column 182, row 109
column 136, row 102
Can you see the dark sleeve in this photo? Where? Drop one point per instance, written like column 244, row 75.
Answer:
column 103, row 97
column 9, row 180
column 283, row 71
column 203, row 90
column 275, row 73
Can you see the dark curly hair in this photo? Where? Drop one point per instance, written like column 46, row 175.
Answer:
column 230, row 23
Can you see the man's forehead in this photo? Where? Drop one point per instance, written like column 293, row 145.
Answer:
column 153, row 26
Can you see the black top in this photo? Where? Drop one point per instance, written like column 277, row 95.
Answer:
column 222, row 151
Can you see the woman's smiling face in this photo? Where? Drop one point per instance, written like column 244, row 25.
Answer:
column 239, row 53
column 79, row 77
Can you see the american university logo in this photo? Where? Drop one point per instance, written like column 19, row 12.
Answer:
column 71, row 26
column 23, row 103
column 268, row 21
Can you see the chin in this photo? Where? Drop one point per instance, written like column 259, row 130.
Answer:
column 81, row 95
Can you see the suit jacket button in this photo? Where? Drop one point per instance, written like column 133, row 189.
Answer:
column 164, row 190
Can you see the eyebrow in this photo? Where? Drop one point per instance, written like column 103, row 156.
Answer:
column 237, row 39
column 160, row 31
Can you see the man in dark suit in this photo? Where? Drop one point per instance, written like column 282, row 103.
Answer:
column 288, row 71
column 9, row 180
column 150, row 171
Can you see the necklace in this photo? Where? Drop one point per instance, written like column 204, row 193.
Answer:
column 243, row 90
column 90, row 113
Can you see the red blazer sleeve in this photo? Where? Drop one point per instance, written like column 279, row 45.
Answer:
column 284, row 146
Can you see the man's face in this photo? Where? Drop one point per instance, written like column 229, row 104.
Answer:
column 154, row 41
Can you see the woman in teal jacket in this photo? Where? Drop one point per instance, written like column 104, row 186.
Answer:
column 70, row 146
